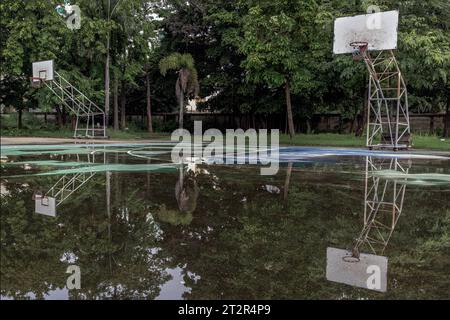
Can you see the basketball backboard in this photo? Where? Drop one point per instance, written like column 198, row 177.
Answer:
column 378, row 30
column 368, row 272
column 43, row 70
column 45, row 206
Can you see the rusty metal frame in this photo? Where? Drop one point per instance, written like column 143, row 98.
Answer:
column 388, row 124
column 383, row 204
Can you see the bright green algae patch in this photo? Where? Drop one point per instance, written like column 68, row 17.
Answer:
column 420, row 179
column 78, row 148
column 107, row 168
column 49, row 163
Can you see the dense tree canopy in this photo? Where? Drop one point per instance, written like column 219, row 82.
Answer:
column 252, row 57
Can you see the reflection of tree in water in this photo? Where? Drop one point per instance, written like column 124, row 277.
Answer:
column 265, row 248
column 30, row 247
column 186, row 195
column 243, row 242
column 115, row 262
column 186, row 192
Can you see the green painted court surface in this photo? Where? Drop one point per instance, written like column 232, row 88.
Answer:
column 143, row 227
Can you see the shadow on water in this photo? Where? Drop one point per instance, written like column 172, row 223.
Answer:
column 141, row 227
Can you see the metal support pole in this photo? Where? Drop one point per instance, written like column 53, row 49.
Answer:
column 389, row 126
column 84, row 109
column 383, row 206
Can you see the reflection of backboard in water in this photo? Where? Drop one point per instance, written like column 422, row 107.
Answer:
column 383, row 206
column 368, row 271
column 45, row 205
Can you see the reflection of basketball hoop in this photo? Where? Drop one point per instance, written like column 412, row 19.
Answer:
column 44, row 204
column 36, row 82
column 359, row 49
column 44, row 200
column 351, row 259
column 37, row 196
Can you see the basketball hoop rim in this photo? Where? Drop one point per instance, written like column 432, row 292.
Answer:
column 36, row 79
column 359, row 44
column 36, row 82
column 351, row 259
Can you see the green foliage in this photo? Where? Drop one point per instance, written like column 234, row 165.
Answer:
column 187, row 73
column 277, row 36
column 244, row 51
column 176, row 61
column 174, row 217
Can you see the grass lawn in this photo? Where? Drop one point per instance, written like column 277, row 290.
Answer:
column 67, row 133
column 326, row 139
column 349, row 140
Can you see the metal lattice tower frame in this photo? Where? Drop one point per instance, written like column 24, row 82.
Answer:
column 383, row 204
column 86, row 111
column 68, row 184
column 388, row 110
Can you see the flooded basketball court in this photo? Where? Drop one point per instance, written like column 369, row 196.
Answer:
column 139, row 226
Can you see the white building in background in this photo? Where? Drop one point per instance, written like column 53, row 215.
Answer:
column 192, row 104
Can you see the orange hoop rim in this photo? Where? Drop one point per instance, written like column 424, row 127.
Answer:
column 351, row 259
column 359, row 44
column 36, row 81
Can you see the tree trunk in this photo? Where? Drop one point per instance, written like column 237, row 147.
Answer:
column 19, row 119
column 64, row 115
column 123, row 115
column 289, row 110
column 116, row 102
column 181, row 105
column 59, row 117
column 447, row 116
column 107, row 81
column 352, row 124
column 149, row 104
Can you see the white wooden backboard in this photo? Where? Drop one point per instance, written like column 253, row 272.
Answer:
column 370, row 272
column 43, row 69
column 379, row 30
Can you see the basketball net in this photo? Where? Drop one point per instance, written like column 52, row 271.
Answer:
column 359, row 49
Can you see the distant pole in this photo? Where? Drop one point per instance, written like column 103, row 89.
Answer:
column 107, row 64
column 108, row 36
column 447, row 116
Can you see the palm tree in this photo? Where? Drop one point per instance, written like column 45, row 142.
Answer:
column 110, row 7
column 187, row 83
